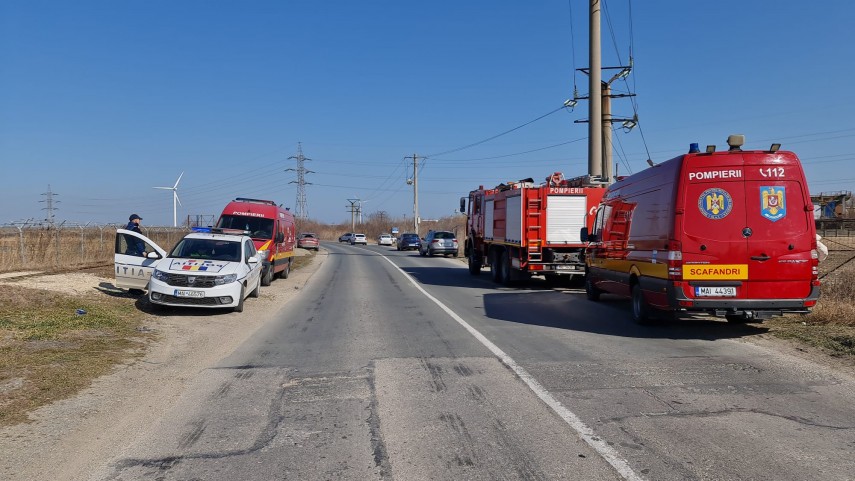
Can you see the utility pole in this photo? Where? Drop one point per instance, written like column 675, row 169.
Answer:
column 595, row 105
column 415, row 182
column 353, row 209
column 49, row 204
column 302, row 205
column 600, row 118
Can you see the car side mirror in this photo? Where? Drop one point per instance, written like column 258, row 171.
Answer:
column 153, row 255
column 463, row 204
column 280, row 237
column 252, row 260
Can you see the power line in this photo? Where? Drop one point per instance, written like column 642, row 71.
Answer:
column 497, row 135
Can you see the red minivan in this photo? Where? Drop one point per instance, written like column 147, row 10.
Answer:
column 728, row 233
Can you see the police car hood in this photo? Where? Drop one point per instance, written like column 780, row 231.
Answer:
column 201, row 266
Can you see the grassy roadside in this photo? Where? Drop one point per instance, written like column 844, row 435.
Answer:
column 50, row 352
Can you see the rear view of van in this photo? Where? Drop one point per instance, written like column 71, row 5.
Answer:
column 728, row 233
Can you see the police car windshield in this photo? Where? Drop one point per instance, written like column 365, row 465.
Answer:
column 258, row 227
column 207, row 249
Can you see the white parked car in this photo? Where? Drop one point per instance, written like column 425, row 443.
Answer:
column 385, row 240
column 358, row 239
column 217, row 269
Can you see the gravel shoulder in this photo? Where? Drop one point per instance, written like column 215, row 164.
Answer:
column 66, row 439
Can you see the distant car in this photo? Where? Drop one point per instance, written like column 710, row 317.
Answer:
column 345, row 237
column 408, row 241
column 358, row 239
column 439, row 242
column 385, row 240
column 309, row 241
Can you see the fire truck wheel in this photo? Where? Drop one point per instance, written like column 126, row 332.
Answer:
column 474, row 263
column 505, row 270
column 267, row 276
column 640, row 310
column 591, row 291
column 494, row 268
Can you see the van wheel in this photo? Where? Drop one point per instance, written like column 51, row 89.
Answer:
column 505, row 269
column 267, row 276
column 287, row 271
column 239, row 306
column 640, row 310
column 591, row 291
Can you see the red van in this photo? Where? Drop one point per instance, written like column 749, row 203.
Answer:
column 728, row 233
column 272, row 230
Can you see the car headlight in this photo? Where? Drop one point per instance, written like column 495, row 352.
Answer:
column 160, row 275
column 226, row 279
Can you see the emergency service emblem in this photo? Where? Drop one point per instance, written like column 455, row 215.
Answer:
column 715, row 203
column 773, row 203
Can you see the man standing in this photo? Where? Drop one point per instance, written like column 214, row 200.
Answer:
column 136, row 247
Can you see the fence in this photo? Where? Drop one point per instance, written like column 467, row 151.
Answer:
column 56, row 247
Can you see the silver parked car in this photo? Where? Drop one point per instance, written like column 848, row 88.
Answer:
column 439, row 242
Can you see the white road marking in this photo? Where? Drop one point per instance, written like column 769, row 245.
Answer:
column 586, row 433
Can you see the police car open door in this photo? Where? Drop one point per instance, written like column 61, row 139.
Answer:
column 135, row 258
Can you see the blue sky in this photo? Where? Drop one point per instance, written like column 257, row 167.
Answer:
column 103, row 100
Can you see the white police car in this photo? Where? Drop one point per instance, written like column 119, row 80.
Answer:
column 216, row 268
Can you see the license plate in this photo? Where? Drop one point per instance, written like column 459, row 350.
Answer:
column 715, row 291
column 186, row 293
column 563, row 268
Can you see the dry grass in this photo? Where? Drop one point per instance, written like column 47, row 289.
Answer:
column 51, row 249
column 49, row 352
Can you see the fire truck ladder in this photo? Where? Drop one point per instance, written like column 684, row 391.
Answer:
column 534, row 229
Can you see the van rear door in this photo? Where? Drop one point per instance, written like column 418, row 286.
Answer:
column 780, row 219
column 714, row 216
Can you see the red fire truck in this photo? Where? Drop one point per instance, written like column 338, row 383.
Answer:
column 521, row 228
column 272, row 230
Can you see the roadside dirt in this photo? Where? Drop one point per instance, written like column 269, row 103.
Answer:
column 69, row 437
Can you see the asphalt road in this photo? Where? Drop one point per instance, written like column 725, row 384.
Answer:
column 394, row 366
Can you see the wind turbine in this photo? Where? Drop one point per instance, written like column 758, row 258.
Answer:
column 175, row 200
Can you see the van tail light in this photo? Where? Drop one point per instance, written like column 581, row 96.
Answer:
column 675, row 261
column 814, row 260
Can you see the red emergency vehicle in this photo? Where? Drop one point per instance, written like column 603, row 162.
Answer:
column 272, row 230
column 727, row 233
column 521, row 228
